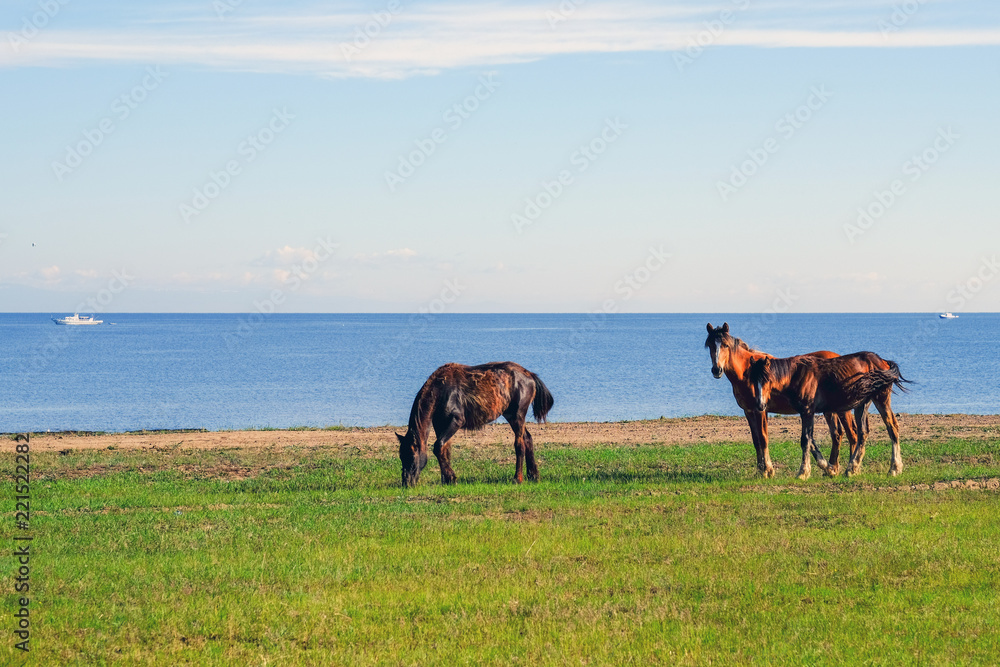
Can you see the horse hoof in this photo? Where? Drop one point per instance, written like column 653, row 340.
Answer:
column 893, row 471
column 831, row 471
column 803, row 476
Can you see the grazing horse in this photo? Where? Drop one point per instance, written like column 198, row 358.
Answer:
column 470, row 397
column 732, row 357
column 813, row 385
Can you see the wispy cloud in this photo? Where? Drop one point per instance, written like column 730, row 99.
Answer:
column 388, row 255
column 283, row 257
column 50, row 275
column 431, row 38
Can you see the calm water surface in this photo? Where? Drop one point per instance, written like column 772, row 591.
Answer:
column 229, row 371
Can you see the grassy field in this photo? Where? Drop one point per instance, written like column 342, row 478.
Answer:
column 621, row 555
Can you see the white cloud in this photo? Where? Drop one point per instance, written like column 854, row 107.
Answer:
column 50, row 274
column 399, row 253
column 431, row 38
column 284, row 257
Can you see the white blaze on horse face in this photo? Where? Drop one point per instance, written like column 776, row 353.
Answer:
column 759, row 392
column 716, row 351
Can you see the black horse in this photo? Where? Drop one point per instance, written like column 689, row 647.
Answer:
column 470, row 397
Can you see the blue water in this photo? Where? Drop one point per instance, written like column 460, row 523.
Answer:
column 235, row 371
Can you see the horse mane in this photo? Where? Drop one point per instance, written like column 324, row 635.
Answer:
column 730, row 341
column 767, row 369
column 739, row 343
column 423, row 402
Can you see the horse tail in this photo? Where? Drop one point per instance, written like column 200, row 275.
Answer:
column 870, row 383
column 543, row 399
column 899, row 380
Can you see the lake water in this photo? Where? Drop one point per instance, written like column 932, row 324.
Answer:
column 236, row 371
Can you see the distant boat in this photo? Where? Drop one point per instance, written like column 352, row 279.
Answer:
column 948, row 316
column 75, row 319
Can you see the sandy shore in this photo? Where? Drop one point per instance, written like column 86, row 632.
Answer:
column 682, row 431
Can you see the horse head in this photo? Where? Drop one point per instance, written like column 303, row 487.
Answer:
column 412, row 458
column 718, row 344
column 760, row 381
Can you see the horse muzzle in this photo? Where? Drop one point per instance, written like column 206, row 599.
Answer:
column 716, row 372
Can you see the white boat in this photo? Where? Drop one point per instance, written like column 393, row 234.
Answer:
column 75, row 319
column 948, row 316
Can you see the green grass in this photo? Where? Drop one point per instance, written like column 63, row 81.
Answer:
column 622, row 554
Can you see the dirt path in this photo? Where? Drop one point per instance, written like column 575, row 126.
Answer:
column 682, row 431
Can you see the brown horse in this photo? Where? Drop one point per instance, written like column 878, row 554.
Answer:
column 814, row 385
column 470, row 397
column 732, row 357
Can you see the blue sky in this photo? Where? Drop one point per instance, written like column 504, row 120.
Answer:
column 747, row 156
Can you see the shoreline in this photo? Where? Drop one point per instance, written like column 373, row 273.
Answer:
column 705, row 429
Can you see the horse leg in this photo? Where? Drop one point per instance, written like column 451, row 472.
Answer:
column 764, row 451
column 807, row 445
column 758, row 431
column 516, row 421
column 850, row 430
column 752, row 423
column 892, row 426
column 529, row 456
column 836, row 430
column 860, row 415
column 442, row 450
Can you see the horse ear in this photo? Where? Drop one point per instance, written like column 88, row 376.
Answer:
column 400, row 437
column 725, row 327
column 709, row 327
